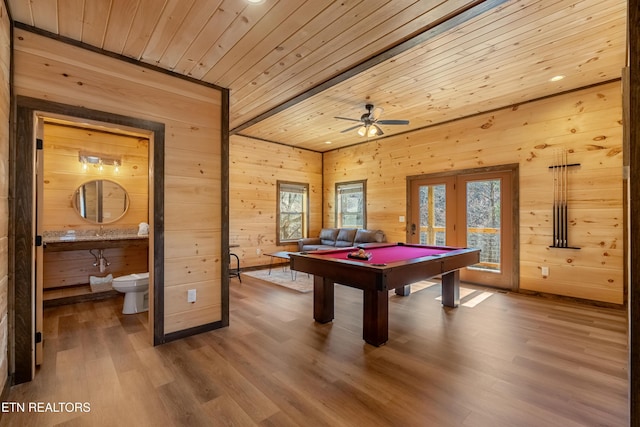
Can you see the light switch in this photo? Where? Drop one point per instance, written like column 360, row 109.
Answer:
column 191, row 295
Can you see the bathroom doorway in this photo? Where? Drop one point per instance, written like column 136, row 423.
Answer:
column 27, row 240
column 92, row 192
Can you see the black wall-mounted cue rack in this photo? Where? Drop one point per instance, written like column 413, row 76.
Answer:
column 560, row 202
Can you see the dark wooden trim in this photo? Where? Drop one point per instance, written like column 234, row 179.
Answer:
column 634, row 209
column 364, row 202
column 306, row 217
column 224, row 129
column 626, row 120
column 4, row 395
column 11, row 282
column 431, row 30
column 276, row 142
column 173, row 336
column 158, row 231
column 67, row 40
column 21, row 206
column 21, row 233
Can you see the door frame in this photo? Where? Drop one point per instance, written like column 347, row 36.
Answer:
column 513, row 168
column 22, row 231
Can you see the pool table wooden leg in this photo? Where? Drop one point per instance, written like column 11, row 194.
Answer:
column 403, row 291
column 451, row 288
column 376, row 317
column 323, row 291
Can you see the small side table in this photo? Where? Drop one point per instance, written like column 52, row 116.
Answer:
column 281, row 255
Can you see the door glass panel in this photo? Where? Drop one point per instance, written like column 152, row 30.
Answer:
column 433, row 209
column 483, row 222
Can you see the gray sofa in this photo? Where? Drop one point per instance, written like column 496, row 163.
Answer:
column 332, row 238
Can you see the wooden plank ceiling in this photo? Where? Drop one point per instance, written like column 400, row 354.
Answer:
column 293, row 65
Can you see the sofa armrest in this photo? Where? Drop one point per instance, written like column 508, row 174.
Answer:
column 308, row 241
column 369, row 236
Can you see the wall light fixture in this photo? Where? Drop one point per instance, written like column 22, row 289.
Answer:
column 99, row 161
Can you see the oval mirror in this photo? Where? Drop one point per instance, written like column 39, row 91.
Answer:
column 101, row 201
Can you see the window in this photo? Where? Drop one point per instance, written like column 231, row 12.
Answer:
column 351, row 202
column 293, row 211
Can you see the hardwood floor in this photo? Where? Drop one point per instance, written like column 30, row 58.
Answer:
column 512, row 360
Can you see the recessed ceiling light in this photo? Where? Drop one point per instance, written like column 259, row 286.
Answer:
column 327, row 142
column 556, row 78
column 255, row 1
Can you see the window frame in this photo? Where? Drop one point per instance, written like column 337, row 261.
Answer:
column 338, row 214
column 304, row 187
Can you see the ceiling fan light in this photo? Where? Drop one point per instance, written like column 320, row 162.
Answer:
column 373, row 131
column 362, row 131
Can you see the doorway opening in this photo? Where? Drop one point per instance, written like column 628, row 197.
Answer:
column 92, row 188
column 26, row 242
column 470, row 208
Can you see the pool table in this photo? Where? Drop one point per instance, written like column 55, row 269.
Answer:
column 389, row 266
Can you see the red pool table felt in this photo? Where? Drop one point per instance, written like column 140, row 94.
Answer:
column 386, row 254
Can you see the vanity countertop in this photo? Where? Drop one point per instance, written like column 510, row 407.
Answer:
column 92, row 239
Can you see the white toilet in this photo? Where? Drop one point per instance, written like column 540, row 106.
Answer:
column 135, row 288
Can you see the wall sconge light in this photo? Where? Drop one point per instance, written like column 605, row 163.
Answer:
column 98, row 160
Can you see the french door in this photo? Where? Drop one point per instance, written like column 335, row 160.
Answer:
column 468, row 209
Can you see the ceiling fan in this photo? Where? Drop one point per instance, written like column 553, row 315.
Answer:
column 369, row 122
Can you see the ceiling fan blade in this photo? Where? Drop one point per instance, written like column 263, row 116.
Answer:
column 393, row 122
column 351, row 128
column 347, row 118
column 378, row 130
column 376, row 113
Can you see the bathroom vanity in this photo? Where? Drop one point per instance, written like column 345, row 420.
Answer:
column 71, row 258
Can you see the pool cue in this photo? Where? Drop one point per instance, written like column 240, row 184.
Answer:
column 565, row 202
column 561, row 200
column 555, row 198
column 561, row 203
column 555, row 225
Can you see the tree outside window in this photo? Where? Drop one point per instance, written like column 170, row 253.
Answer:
column 351, row 202
column 293, row 211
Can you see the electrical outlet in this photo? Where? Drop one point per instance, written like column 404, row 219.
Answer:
column 258, row 251
column 545, row 271
column 401, row 218
column 191, row 295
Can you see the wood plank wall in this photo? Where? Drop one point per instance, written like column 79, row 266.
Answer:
column 586, row 123
column 254, row 168
column 59, row 72
column 63, row 174
column 5, row 66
